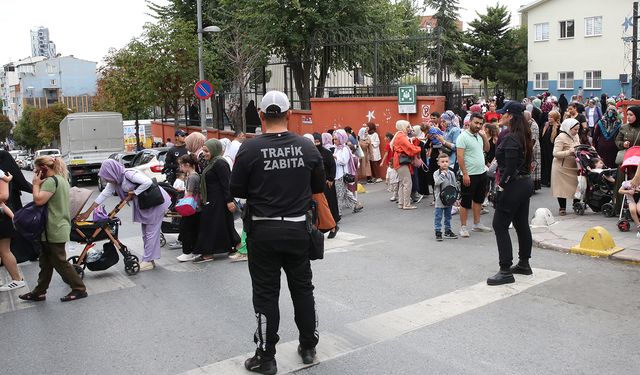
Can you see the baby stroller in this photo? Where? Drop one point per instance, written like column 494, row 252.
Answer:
column 172, row 224
column 90, row 232
column 628, row 168
column 600, row 183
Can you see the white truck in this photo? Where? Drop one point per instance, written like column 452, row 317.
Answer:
column 87, row 139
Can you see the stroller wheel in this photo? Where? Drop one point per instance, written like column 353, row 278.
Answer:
column 131, row 265
column 608, row 210
column 163, row 241
column 624, row 225
column 579, row 208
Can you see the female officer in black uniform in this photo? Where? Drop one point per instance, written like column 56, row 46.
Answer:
column 514, row 154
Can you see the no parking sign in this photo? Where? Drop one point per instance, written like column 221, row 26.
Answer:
column 203, row 89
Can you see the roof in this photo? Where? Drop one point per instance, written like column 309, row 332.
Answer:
column 531, row 5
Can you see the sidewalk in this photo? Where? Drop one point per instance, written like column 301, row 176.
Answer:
column 567, row 232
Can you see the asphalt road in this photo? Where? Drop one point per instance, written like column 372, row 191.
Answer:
column 390, row 299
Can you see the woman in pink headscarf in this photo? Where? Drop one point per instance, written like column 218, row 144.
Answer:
column 344, row 165
column 129, row 184
column 194, row 143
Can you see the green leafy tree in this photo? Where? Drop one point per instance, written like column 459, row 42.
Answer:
column 172, row 66
column 513, row 63
column 487, row 43
column 448, row 40
column 5, row 127
column 27, row 132
column 48, row 122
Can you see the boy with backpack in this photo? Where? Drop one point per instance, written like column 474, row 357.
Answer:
column 446, row 194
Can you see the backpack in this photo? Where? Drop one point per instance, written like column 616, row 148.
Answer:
column 448, row 194
column 31, row 220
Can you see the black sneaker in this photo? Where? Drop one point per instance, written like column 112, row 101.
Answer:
column 260, row 364
column 448, row 234
column 521, row 269
column 438, row 236
column 502, row 277
column 307, row 355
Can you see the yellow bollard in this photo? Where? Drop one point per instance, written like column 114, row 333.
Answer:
column 360, row 189
column 596, row 242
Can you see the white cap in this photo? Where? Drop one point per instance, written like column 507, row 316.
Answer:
column 274, row 102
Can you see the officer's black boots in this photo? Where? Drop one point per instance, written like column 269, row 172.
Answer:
column 261, row 364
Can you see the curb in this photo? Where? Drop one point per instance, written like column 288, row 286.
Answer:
column 618, row 257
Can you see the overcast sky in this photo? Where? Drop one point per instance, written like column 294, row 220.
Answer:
column 88, row 28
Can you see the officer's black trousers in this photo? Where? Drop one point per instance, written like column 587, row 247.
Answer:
column 272, row 245
column 513, row 207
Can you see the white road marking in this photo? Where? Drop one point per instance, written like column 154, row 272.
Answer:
column 389, row 325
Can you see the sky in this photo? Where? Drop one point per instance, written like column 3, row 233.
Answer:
column 88, row 28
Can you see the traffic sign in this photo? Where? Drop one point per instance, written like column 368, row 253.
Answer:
column 407, row 99
column 203, row 89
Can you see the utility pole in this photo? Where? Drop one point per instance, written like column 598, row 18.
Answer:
column 203, row 103
column 634, row 53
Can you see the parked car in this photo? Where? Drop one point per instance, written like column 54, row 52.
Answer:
column 124, row 158
column 45, row 152
column 151, row 162
column 14, row 154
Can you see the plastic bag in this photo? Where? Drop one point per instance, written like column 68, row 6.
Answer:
column 582, row 187
column 94, row 254
column 100, row 214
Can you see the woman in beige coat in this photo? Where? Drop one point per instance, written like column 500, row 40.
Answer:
column 564, row 170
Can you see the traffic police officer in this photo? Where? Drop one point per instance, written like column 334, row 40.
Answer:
column 277, row 172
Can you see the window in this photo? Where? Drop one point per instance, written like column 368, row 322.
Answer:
column 593, row 79
column 51, row 68
column 53, row 82
column 541, row 81
column 567, row 29
column 565, row 81
column 542, row 32
column 593, row 26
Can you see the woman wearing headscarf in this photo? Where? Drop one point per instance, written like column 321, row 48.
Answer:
column 128, row 184
column 536, row 156
column 329, row 187
column 404, row 151
column 327, row 142
column 344, row 165
column 252, row 117
column 194, row 143
column 564, row 171
column 374, row 151
column 563, row 104
column 629, row 134
column 604, row 135
column 549, row 133
column 536, row 112
column 364, row 168
column 217, row 232
column 451, row 133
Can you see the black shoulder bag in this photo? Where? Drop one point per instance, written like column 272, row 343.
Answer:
column 316, row 238
column 151, row 197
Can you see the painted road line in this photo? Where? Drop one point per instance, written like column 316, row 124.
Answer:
column 389, row 325
column 9, row 301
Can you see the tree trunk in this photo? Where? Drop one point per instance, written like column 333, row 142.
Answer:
column 243, row 125
column 486, row 88
column 324, row 71
column 176, row 109
column 301, row 76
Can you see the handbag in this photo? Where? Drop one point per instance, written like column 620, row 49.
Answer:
column 151, row 197
column 404, row 159
column 316, row 238
column 448, row 195
column 324, row 219
column 186, row 206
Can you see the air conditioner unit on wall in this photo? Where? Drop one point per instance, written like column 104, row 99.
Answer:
column 624, row 78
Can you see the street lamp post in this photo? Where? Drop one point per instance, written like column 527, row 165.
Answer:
column 208, row 29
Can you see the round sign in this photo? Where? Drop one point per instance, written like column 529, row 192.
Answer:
column 203, row 89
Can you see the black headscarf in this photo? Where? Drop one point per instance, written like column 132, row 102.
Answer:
column 636, row 112
column 563, row 103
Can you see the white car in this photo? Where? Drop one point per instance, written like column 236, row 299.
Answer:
column 151, row 162
column 45, row 152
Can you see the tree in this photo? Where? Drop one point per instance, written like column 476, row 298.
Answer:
column 487, row 43
column 27, row 131
column 49, row 122
column 513, row 64
column 448, row 40
column 5, row 127
column 172, row 66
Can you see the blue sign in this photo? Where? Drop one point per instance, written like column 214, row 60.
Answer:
column 203, row 89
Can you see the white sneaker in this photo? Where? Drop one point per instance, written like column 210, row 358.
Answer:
column 481, row 228
column 175, row 245
column 464, row 232
column 237, row 257
column 484, row 211
column 185, row 257
column 146, row 266
column 13, row 284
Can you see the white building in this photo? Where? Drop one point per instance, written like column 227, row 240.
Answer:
column 41, row 45
column 579, row 43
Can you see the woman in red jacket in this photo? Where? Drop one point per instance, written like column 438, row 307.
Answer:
column 404, row 152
